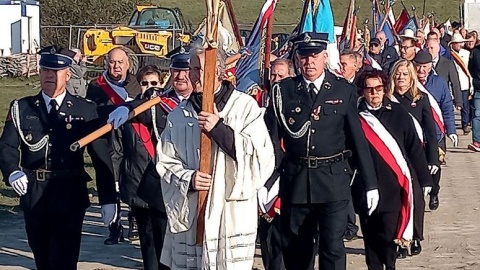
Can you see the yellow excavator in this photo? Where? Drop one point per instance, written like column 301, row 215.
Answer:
column 150, row 34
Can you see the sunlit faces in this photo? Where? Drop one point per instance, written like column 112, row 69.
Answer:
column 53, row 82
column 312, row 65
column 373, row 92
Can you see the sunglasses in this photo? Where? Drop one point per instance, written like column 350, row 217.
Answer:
column 374, row 45
column 145, row 83
column 372, row 90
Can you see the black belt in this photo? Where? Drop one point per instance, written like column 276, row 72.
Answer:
column 44, row 175
column 313, row 162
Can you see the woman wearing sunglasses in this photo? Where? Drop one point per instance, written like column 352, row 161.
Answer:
column 403, row 89
column 399, row 159
column 148, row 77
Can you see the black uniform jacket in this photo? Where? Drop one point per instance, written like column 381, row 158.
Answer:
column 398, row 123
column 335, row 127
column 77, row 117
column 421, row 110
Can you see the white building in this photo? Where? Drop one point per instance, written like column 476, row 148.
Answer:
column 19, row 26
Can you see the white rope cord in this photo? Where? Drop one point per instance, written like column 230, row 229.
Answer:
column 16, row 122
column 278, row 105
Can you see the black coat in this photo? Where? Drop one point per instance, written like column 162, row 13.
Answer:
column 421, row 110
column 104, row 107
column 389, row 56
column 398, row 123
column 77, row 117
column 336, row 129
column 474, row 67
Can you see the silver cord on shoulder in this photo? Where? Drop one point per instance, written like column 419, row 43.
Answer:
column 277, row 107
column 16, row 122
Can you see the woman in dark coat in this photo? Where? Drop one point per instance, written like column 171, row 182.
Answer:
column 399, row 159
column 403, row 89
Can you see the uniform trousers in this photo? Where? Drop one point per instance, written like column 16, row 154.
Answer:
column 299, row 226
column 152, row 226
column 54, row 237
column 270, row 244
column 436, row 177
column 378, row 234
column 418, row 210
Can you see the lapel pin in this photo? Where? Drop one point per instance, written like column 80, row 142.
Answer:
column 327, row 85
column 69, row 104
column 298, row 109
column 413, row 104
column 37, row 102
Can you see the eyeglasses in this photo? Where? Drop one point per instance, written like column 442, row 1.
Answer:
column 406, row 47
column 374, row 45
column 152, row 83
column 372, row 90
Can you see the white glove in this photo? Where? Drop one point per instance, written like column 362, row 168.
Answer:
column 426, row 191
column 262, row 196
column 118, row 117
column 433, row 169
column 109, row 213
column 372, row 200
column 19, row 182
column 454, row 139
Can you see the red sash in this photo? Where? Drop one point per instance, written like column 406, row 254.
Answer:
column 141, row 130
column 378, row 137
column 435, row 108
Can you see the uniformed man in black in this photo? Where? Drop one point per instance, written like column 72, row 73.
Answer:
column 36, row 160
column 315, row 115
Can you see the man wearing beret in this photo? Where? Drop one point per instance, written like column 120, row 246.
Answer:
column 36, row 160
column 315, row 115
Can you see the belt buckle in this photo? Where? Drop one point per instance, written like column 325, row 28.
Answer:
column 40, row 174
column 312, row 163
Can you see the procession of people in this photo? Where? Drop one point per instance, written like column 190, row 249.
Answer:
column 291, row 173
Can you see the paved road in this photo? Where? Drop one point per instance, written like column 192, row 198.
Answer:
column 452, row 237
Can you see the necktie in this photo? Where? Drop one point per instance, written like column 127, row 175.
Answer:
column 311, row 90
column 53, row 114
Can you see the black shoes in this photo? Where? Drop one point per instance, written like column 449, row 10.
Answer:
column 433, row 205
column 350, row 236
column 402, row 253
column 416, row 247
column 132, row 229
column 115, row 236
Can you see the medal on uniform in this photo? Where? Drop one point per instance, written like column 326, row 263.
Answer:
column 68, row 126
column 291, row 121
column 298, row 109
column 69, row 103
column 316, row 113
column 29, row 137
column 413, row 104
column 327, row 85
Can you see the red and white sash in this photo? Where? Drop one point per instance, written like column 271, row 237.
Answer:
column 388, row 148
column 418, row 127
column 436, row 112
column 119, row 95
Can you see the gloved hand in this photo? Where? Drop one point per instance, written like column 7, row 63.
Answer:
column 245, row 51
column 118, row 117
column 454, row 139
column 433, row 169
column 109, row 213
column 262, row 196
column 372, row 200
column 19, row 182
column 426, row 191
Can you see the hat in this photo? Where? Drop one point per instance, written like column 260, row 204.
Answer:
column 375, row 41
column 457, row 38
column 56, row 58
column 423, row 57
column 310, row 43
column 180, row 58
column 409, row 33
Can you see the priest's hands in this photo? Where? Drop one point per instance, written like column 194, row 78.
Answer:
column 201, row 181
column 207, row 121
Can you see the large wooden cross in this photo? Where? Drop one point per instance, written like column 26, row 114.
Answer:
column 207, row 105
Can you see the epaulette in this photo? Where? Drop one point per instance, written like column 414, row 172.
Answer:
column 82, row 98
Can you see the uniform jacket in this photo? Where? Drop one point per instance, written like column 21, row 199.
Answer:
column 399, row 124
column 446, row 69
column 335, row 127
column 438, row 87
column 77, row 117
column 421, row 110
column 474, row 67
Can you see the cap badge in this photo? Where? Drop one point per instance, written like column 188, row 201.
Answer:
column 53, row 50
column 307, row 38
column 182, row 50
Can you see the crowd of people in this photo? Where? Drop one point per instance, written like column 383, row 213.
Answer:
column 326, row 149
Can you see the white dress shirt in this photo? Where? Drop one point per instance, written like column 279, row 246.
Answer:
column 59, row 99
column 318, row 82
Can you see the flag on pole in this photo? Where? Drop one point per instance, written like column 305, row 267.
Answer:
column 411, row 24
column 401, row 22
column 249, row 68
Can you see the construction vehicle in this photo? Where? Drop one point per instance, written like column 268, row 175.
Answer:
column 151, row 33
